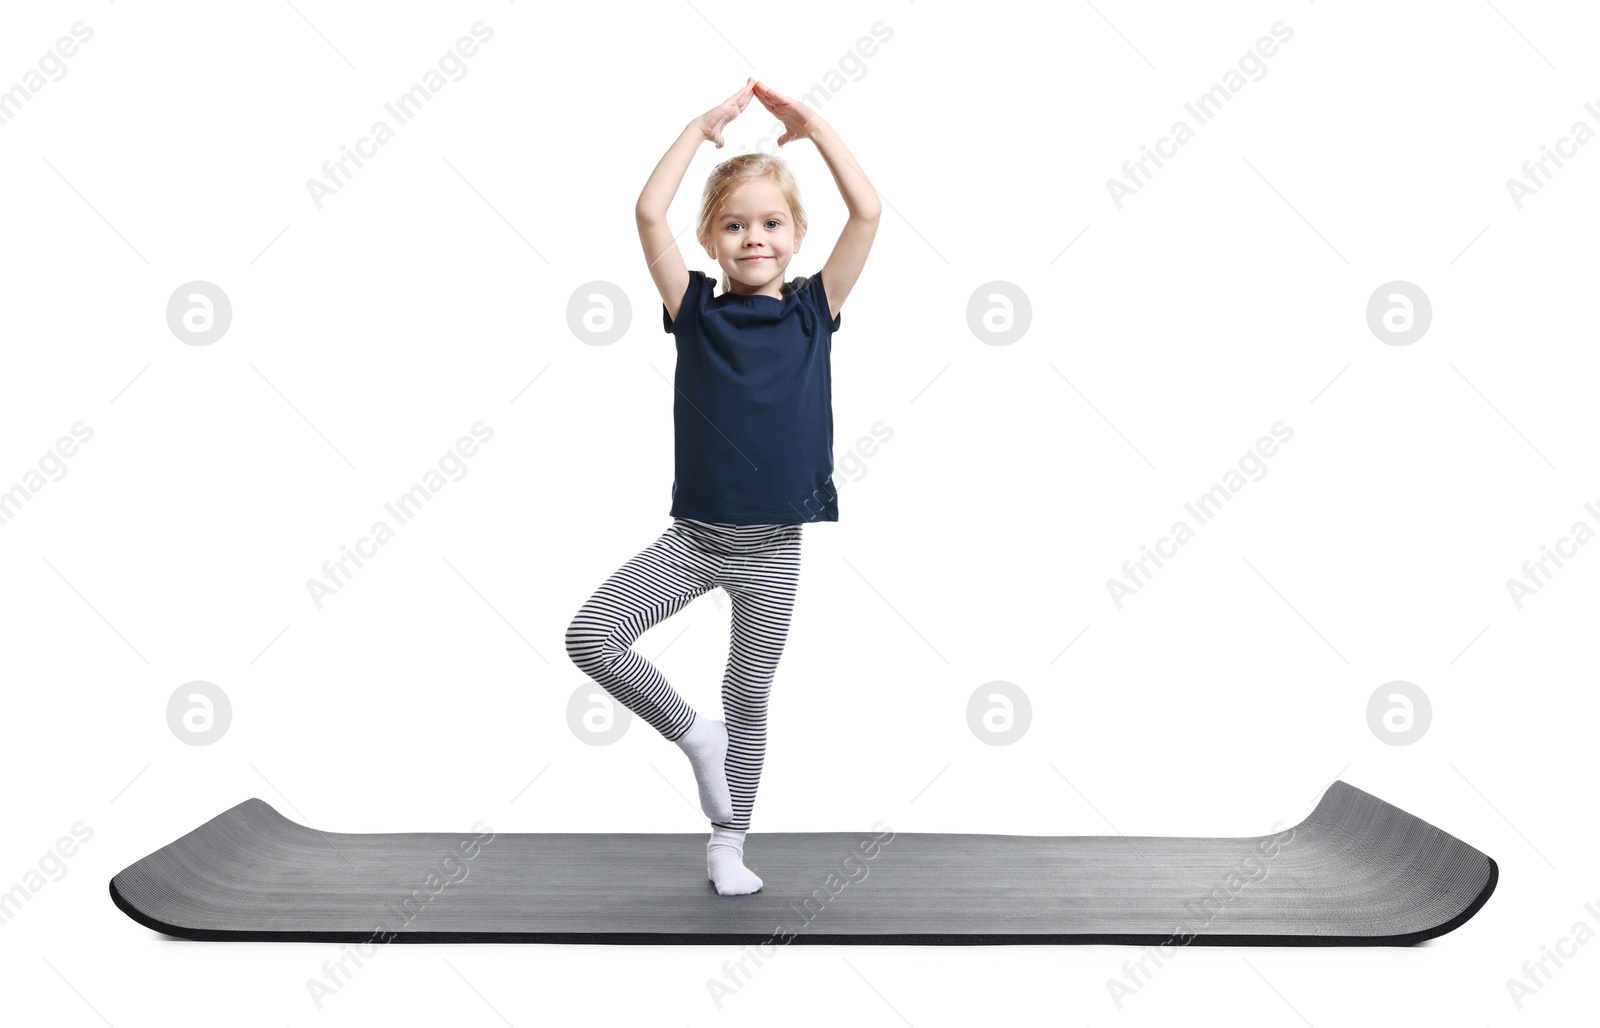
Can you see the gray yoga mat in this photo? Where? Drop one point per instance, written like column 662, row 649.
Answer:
column 1356, row 871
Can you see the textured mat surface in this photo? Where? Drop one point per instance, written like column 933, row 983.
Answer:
column 1356, row 871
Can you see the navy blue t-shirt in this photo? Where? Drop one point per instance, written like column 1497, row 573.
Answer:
column 752, row 412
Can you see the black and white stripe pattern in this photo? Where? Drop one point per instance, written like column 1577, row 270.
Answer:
column 759, row 567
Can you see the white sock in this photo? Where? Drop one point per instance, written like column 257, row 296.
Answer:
column 725, row 863
column 706, row 743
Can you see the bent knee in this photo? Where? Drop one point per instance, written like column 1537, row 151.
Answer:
column 580, row 641
column 588, row 642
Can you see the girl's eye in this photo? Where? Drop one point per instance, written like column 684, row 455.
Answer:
column 772, row 221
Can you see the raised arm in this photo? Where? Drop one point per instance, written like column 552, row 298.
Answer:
column 667, row 267
column 849, row 255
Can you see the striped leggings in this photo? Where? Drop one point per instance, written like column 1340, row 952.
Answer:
column 759, row 567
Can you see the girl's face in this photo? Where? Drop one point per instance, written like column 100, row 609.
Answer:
column 753, row 238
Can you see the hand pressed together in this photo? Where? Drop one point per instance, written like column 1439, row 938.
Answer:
column 711, row 122
column 799, row 121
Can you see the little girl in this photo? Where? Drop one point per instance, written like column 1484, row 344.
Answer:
column 753, row 449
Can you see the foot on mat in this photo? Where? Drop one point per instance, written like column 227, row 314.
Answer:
column 725, row 863
column 706, row 743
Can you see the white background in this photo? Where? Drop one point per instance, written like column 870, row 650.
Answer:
column 1229, row 294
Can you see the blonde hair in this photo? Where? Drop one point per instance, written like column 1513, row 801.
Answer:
column 741, row 170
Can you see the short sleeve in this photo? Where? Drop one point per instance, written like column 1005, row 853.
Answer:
column 811, row 289
column 691, row 299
